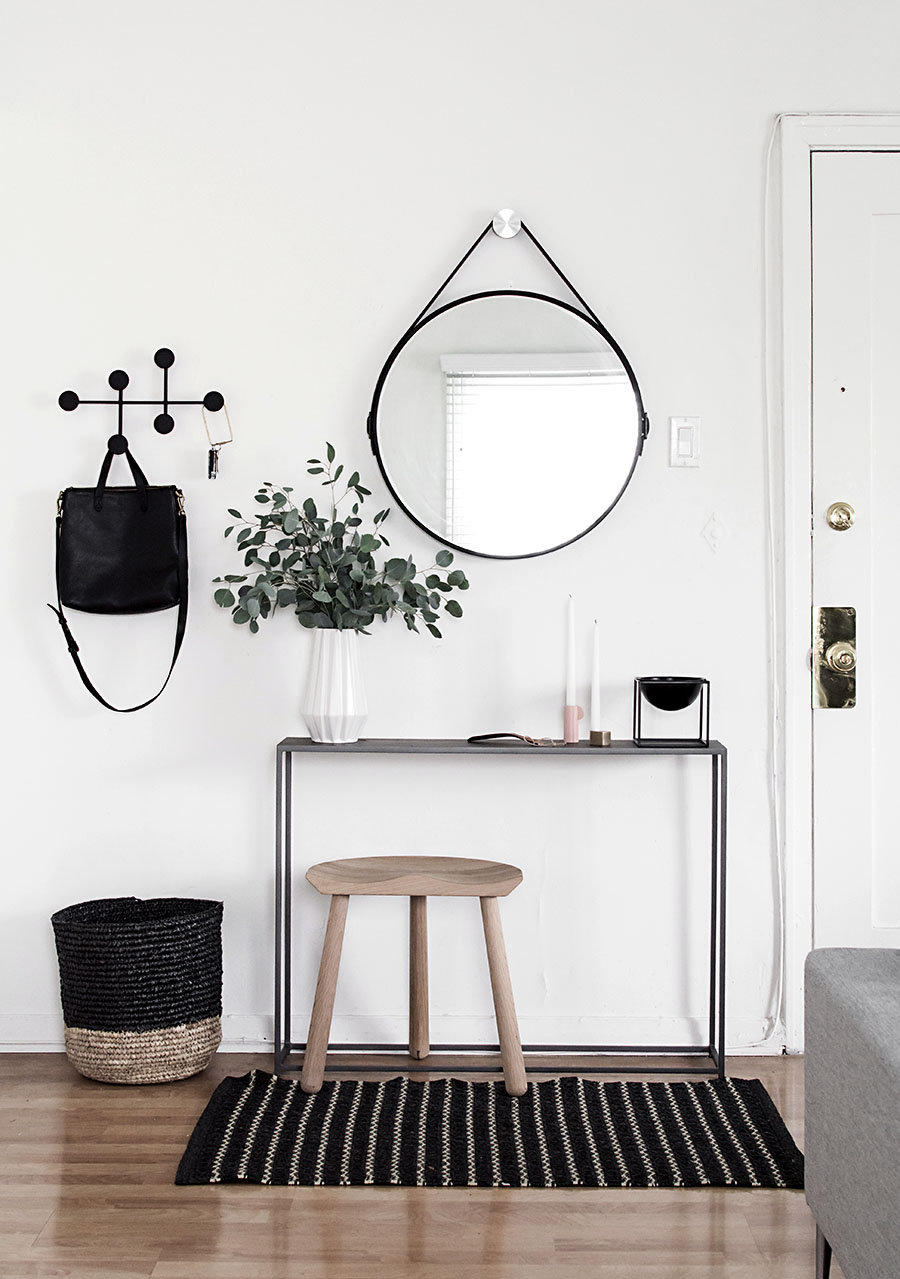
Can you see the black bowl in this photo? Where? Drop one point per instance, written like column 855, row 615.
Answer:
column 670, row 692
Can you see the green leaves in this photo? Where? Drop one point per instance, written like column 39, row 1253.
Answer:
column 323, row 565
column 398, row 569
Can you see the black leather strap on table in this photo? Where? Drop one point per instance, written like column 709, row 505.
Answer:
column 182, row 601
column 489, row 738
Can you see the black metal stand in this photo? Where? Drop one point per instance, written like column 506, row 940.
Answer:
column 702, row 738
column 714, row 1049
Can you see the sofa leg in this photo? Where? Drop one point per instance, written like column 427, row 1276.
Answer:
column 823, row 1256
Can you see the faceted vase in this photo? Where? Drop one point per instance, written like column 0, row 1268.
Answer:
column 334, row 705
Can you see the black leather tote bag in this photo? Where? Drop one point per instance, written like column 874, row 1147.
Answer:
column 121, row 550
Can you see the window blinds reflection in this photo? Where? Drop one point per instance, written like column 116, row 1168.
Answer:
column 532, row 441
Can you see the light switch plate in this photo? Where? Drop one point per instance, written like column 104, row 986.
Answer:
column 684, row 441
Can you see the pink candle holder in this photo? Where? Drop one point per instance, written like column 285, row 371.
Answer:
column 571, row 716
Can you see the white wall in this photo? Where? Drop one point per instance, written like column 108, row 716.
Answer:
column 274, row 191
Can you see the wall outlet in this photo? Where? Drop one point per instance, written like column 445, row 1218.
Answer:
column 684, row 441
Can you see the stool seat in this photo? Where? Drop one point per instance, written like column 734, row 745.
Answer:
column 414, row 877
column 417, row 878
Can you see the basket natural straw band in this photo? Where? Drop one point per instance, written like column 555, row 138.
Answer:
column 143, row 1056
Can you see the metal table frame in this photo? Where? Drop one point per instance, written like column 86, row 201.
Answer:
column 714, row 1050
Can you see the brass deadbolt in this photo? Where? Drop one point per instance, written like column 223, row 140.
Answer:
column 841, row 657
column 834, row 657
column 840, row 516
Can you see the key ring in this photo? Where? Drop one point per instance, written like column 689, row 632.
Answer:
column 215, row 445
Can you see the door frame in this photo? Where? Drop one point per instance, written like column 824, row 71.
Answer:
column 800, row 136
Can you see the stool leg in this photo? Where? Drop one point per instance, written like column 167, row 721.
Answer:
column 323, row 1004
column 504, row 1005
column 419, row 1045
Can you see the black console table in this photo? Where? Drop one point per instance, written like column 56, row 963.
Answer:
column 286, row 1061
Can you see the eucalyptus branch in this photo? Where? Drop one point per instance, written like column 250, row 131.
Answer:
column 325, row 568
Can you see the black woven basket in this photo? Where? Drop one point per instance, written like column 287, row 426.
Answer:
column 141, row 986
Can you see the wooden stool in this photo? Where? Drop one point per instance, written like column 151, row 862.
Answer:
column 417, row 878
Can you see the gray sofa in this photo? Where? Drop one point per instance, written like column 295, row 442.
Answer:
column 853, row 1109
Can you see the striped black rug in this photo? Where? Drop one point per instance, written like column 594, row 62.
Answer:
column 564, row 1132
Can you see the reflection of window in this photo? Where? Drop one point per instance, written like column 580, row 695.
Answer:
column 549, row 436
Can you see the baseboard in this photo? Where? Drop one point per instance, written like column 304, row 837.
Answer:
column 43, row 1032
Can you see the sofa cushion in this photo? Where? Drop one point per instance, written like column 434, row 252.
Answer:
column 853, row 1106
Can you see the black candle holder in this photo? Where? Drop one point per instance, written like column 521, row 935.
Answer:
column 671, row 693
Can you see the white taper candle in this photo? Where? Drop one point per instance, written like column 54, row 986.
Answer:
column 595, row 681
column 570, row 655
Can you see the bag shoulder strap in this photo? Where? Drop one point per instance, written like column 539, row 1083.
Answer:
column 179, row 630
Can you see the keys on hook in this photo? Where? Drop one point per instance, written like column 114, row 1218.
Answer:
column 215, row 445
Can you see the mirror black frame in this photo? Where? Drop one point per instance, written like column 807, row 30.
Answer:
column 643, row 422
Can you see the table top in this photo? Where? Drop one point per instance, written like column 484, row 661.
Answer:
column 459, row 746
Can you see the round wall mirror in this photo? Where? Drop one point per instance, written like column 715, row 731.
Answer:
column 507, row 424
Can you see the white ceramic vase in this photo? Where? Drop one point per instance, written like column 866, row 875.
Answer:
column 334, row 704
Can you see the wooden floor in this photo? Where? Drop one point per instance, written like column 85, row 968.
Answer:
column 86, row 1190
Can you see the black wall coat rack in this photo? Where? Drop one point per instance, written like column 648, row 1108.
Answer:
column 164, row 422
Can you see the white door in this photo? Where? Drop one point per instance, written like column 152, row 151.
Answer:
column 856, row 460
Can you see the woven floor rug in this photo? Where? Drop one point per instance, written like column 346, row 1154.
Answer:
column 564, row 1132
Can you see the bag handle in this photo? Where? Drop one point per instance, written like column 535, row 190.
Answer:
column 118, row 444
column 181, row 526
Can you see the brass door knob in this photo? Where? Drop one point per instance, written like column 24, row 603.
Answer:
column 841, row 657
column 840, row 516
